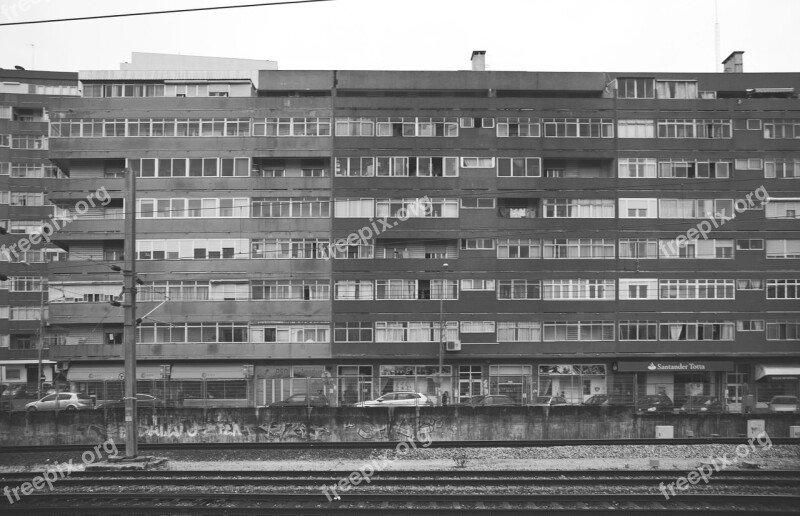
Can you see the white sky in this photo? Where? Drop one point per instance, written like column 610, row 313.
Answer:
column 526, row 35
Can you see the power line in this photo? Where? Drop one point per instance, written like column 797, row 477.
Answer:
column 173, row 11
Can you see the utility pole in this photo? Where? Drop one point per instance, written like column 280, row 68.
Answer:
column 40, row 344
column 441, row 327
column 129, row 335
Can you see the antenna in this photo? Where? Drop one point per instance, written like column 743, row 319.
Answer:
column 716, row 38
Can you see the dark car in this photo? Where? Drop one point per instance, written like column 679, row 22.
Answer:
column 654, row 403
column 142, row 401
column 14, row 397
column 549, row 401
column 302, row 400
column 702, row 405
column 489, row 400
column 605, row 399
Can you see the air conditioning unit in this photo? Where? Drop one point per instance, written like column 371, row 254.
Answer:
column 453, row 345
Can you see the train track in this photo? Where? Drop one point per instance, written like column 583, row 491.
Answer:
column 177, row 503
column 391, row 444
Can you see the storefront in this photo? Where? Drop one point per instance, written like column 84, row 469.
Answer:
column 776, row 380
column 513, row 381
column 575, row 382
column 280, row 382
column 470, row 382
column 424, row 379
column 355, row 384
column 680, row 380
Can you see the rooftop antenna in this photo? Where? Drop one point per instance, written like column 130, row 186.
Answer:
column 716, row 38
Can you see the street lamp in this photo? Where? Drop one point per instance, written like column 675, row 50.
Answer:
column 441, row 325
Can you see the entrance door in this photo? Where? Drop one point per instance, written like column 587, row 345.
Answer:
column 469, row 382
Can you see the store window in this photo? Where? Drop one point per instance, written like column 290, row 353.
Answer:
column 424, row 379
column 576, row 383
column 513, row 381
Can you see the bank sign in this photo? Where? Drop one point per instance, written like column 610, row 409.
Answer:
column 674, row 366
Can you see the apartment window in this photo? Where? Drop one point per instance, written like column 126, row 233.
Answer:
column 638, row 208
column 354, row 208
column 5, row 169
column 25, row 284
column 782, row 168
column 355, row 167
column 355, row 127
column 417, row 208
column 398, row 289
column 354, row 290
column 360, row 251
column 579, row 248
column 413, row 331
column 5, row 140
column 636, row 128
column 519, row 248
column 518, row 127
column 289, row 290
column 750, row 244
column 568, row 290
column 5, row 113
column 775, row 208
column 477, row 326
column 291, row 207
column 696, row 289
column 477, row 284
column 4, row 312
column 749, row 164
column 519, row 331
column 781, row 129
column 417, row 127
column 467, row 122
column 783, row 330
column 676, row 89
column 290, row 248
column 578, row 128
column 477, row 162
column 519, row 289
column 579, row 208
column 638, row 288
column 479, row 203
column 783, row 248
column 694, row 208
column 26, row 313
column 288, row 126
column 750, row 284
column 696, row 331
column 702, row 249
column 294, row 333
column 750, row 325
column 637, row 167
column 635, row 88
column 585, row 331
column 638, row 330
column 352, row 332
column 5, row 197
column 693, row 128
column 519, row 167
column 477, row 243
column 783, row 289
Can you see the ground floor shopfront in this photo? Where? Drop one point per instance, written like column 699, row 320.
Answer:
column 740, row 385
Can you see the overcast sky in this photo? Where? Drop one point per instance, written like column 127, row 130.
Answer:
column 531, row 35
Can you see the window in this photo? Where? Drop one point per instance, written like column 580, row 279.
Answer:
column 34, row 142
column 578, row 128
column 519, row 331
column 638, row 288
column 287, row 126
column 783, row 289
column 750, row 245
column 355, row 167
column 783, row 330
column 519, row 167
column 702, row 249
column 749, row 164
column 750, row 284
column 290, row 290
column 480, row 203
column 290, row 248
column 696, row 289
column 635, row 88
column 637, row 167
column 693, row 128
column 477, row 284
column 519, row 289
column 781, row 129
column 638, row 330
column 477, row 162
column 354, row 208
column 291, row 333
column 353, row 290
column 25, row 284
column 518, row 248
column 578, row 331
column 417, row 208
column 694, row 208
column 423, row 331
column 5, row 113
column 775, row 208
column 5, row 197
column 783, row 248
column 579, row 208
column 477, row 243
column 517, row 127
column 4, row 312
column 637, row 208
column 191, row 249
column 352, row 332
column 676, row 89
column 5, row 169
column 565, row 289
column 638, row 248
column 291, row 207
column 26, row 313
column 671, row 331
column 750, row 325
column 636, row 128
column 417, row 127
column 579, row 248
column 477, row 326
column 355, row 127
column 782, row 168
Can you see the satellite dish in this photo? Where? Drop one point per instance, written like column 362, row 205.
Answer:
column 18, row 67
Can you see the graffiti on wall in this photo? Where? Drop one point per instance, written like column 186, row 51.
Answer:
column 404, row 428
column 292, row 431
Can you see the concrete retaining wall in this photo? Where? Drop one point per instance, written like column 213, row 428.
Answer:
column 378, row 424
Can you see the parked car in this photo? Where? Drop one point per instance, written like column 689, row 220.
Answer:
column 142, row 400
column 302, row 400
column 14, row 397
column 702, row 404
column 488, row 400
column 784, row 404
column 549, row 401
column 606, row 399
column 62, row 401
column 654, row 403
column 397, row 399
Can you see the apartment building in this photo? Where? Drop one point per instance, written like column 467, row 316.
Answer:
column 25, row 176
column 352, row 233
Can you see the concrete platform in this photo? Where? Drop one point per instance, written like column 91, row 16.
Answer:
column 125, row 464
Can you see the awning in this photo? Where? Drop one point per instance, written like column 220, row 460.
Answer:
column 110, row 372
column 208, row 371
column 25, row 362
column 763, row 370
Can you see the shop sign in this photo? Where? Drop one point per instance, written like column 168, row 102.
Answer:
column 571, row 370
column 675, row 366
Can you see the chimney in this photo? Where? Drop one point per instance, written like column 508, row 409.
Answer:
column 734, row 63
column 478, row 60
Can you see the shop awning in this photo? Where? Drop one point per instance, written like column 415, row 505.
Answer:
column 208, row 371
column 25, row 362
column 764, row 370
column 110, row 372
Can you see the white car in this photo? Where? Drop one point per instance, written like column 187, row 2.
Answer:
column 62, row 401
column 398, row 399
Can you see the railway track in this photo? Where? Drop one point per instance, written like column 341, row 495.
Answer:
column 89, row 504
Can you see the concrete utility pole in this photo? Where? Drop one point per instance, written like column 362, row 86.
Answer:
column 441, row 326
column 129, row 336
